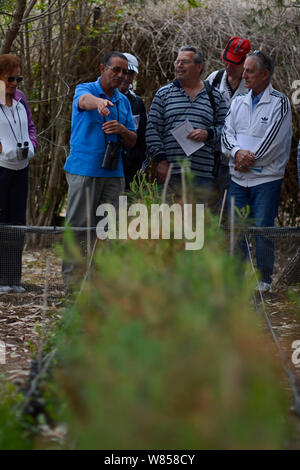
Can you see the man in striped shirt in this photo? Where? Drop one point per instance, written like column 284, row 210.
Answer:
column 257, row 138
column 186, row 98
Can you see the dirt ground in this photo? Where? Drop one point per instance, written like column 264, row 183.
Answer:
column 25, row 319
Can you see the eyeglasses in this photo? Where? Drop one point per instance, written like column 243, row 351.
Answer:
column 183, row 62
column 266, row 61
column 18, row 79
column 117, row 69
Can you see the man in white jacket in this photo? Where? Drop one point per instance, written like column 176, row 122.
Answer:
column 229, row 81
column 257, row 138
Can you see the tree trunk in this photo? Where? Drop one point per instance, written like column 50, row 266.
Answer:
column 15, row 27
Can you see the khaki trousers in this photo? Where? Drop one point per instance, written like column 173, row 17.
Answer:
column 100, row 190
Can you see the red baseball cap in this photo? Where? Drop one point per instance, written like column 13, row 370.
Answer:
column 236, row 50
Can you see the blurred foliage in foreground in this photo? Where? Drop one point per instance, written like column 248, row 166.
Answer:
column 163, row 351
column 13, row 426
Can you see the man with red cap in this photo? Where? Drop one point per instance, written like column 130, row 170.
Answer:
column 230, row 83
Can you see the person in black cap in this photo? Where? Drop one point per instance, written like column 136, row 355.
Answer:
column 133, row 158
column 230, row 83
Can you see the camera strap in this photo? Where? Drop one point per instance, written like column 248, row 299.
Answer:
column 12, row 130
column 217, row 153
column 105, row 136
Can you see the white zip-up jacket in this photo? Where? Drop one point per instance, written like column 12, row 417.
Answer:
column 266, row 131
column 14, row 129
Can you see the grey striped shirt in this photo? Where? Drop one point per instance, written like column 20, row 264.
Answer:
column 171, row 106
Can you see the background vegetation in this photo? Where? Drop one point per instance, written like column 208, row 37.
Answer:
column 62, row 42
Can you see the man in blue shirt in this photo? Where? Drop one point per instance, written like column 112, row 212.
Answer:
column 101, row 114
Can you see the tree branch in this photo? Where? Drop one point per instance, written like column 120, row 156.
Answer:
column 6, row 14
column 45, row 13
column 13, row 31
column 29, row 8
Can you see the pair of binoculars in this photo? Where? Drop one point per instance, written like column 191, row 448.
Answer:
column 22, row 150
column 111, row 156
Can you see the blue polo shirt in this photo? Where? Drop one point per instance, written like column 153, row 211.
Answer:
column 256, row 99
column 87, row 137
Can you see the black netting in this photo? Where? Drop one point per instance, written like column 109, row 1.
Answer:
column 31, row 257
column 24, row 252
column 275, row 251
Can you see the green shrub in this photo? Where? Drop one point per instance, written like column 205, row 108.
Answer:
column 14, row 428
column 163, row 351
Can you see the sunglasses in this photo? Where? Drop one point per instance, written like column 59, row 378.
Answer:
column 183, row 62
column 117, row 69
column 18, row 79
column 257, row 52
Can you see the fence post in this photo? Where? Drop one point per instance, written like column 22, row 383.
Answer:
column 2, row 353
column 231, row 226
column 88, row 224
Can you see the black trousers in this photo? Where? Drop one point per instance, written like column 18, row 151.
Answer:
column 13, row 199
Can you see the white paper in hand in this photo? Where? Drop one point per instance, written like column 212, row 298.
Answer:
column 248, row 142
column 181, row 132
column 2, row 92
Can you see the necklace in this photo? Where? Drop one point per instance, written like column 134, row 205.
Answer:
column 11, row 127
column 13, row 114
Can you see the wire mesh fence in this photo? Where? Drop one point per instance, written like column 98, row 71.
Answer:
column 39, row 250
column 24, row 251
column 278, row 245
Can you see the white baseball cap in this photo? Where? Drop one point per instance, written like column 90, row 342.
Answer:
column 132, row 62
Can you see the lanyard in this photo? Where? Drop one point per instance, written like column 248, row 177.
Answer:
column 12, row 130
column 105, row 136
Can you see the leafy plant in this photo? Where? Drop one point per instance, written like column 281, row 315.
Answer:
column 163, row 351
column 14, row 429
column 141, row 189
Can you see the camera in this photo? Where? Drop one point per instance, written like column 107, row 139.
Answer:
column 22, row 150
column 111, row 156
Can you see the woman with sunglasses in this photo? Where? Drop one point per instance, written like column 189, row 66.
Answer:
column 17, row 144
